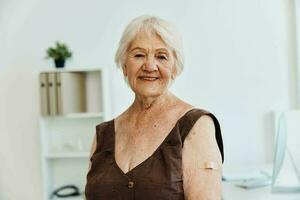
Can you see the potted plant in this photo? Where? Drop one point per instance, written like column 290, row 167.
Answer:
column 60, row 53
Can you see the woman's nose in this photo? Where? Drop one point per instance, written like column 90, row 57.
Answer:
column 150, row 64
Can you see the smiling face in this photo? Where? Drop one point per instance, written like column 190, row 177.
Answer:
column 149, row 65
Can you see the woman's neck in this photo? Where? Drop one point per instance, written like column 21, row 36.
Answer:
column 147, row 104
column 149, row 108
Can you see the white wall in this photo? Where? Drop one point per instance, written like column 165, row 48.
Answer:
column 240, row 64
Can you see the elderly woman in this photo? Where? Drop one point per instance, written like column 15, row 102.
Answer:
column 160, row 147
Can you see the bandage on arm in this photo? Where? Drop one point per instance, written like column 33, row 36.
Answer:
column 210, row 165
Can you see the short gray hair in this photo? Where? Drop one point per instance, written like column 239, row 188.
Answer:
column 151, row 24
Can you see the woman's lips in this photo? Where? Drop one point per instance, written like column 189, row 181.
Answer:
column 148, row 78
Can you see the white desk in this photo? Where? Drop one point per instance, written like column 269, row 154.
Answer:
column 231, row 192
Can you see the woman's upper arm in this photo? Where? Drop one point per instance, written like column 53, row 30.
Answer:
column 202, row 162
column 93, row 148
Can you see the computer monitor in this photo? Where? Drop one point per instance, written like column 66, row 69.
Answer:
column 287, row 152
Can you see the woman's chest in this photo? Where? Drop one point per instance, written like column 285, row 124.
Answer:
column 135, row 145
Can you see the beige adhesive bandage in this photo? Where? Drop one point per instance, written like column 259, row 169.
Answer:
column 210, row 165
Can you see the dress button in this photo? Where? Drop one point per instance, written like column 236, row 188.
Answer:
column 130, row 184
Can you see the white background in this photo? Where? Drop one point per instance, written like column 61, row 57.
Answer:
column 240, row 64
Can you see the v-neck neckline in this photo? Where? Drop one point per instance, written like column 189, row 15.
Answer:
column 148, row 158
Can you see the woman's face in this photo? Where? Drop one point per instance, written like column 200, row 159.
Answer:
column 149, row 65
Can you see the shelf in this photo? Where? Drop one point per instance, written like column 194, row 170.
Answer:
column 77, row 115
column 69, row 198
column 71, row 70
column 67, row 155
column 73, row 102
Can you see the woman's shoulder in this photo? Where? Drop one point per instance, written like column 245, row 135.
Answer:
column 200, row 118
column 191, row 113
column 104, row 125
column 192, row 110
column 204, row 124
column 194, row 113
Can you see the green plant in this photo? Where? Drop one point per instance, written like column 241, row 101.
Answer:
column 59, row 52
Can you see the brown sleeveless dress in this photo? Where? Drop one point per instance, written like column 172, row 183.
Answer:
column 158, row 177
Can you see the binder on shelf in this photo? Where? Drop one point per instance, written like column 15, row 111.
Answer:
column 58, row 90
column 44, row 94
column 93, row 92
column 70, row 92
column 52, row 93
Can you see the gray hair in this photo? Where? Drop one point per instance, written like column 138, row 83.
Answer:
column 151, row 24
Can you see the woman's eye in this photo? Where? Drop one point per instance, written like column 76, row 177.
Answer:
column 162, row 57
column 139, row 55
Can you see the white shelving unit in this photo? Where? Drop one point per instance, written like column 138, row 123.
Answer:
column 66, row 138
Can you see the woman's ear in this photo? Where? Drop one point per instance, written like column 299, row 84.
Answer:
column 124, row 68
column 174, row 70
column 174, row 73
